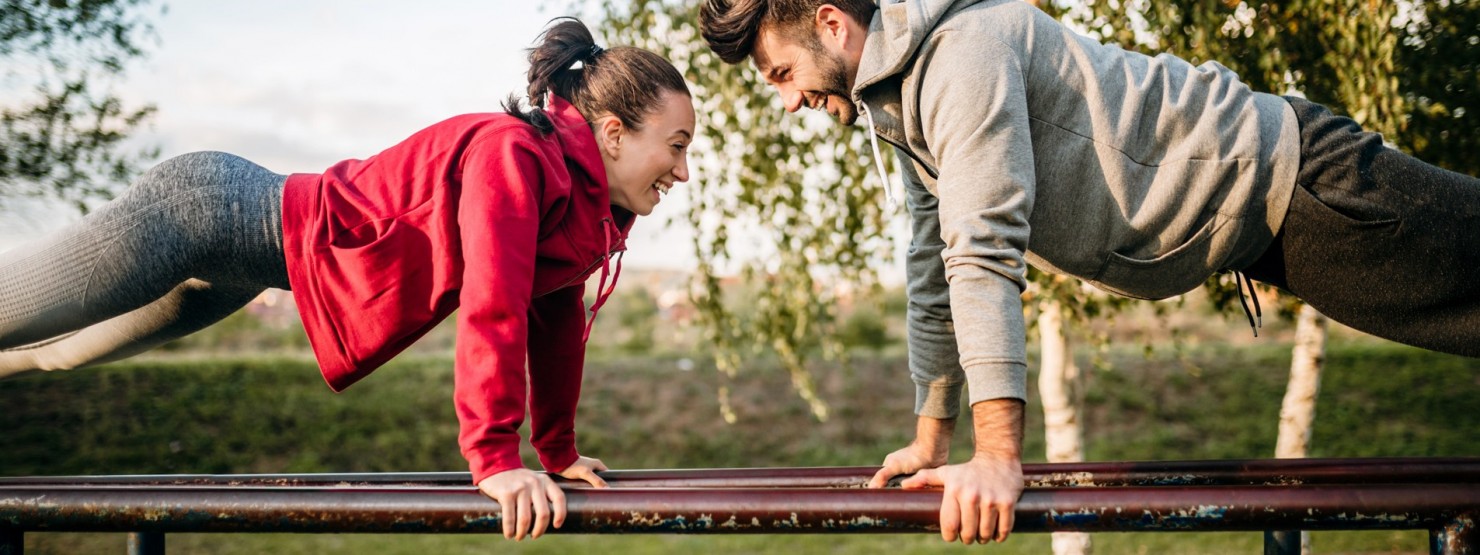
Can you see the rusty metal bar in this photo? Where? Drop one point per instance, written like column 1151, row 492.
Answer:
column 1149, row 473
column 419, row 510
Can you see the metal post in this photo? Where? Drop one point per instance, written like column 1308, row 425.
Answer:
column 1284, row 542
column 146, row 543
column 12, row 542
column 1459, row 537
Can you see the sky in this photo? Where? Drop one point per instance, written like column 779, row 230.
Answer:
column 297, row 85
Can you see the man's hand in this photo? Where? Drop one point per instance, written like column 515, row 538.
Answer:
column 979, row 497
column 980, row 494
column 931, row 448
column 521, row 494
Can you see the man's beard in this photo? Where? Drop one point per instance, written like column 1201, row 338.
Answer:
column 835, row 83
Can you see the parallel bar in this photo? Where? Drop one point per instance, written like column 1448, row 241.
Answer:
column 12, row 542
column 413, row 510
column 1149, row 473
column 1282, row 542
column 146, row 543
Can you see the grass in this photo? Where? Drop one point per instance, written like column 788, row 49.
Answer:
column 238, row 415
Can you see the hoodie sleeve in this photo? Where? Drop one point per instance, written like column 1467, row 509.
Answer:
column 499, row 221
column 934, row 362
column 556, row 359
column 975, row 119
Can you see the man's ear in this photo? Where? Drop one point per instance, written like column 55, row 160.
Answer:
column 609, row 131
column 832, row 25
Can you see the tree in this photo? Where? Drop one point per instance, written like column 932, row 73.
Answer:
column 801, row 183
column 64, row 138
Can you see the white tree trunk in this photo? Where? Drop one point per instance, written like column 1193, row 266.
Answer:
column 1061, row 391
column 1298, row 411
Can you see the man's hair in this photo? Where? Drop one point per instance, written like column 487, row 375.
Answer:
column 731, row 26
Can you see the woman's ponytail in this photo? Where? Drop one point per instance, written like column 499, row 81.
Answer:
column 622, row 81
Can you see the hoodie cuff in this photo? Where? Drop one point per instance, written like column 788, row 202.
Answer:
column 938, row 400
column 997, row 380
column 558, row 460
column 492, row 461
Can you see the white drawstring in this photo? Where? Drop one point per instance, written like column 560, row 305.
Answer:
column 873, row 139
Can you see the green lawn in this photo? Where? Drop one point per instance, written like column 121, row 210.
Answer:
column 275, row 415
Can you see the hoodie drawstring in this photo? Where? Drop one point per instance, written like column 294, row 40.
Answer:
column 873, row 139
column 603, row 291
column 1240, row 281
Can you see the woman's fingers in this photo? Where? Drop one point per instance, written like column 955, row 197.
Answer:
column 541, row 507
column 557, row 501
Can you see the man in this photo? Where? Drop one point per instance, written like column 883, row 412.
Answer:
column 1024, row 142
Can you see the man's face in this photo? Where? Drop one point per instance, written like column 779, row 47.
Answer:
column 805, row 74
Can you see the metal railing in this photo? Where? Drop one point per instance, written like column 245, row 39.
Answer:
column 1438, row 495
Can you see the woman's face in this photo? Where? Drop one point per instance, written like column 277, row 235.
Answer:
column 642, row 165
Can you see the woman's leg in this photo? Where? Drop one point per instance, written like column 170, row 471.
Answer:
column 187, row 308
column 1378, row 240
column 209, row 216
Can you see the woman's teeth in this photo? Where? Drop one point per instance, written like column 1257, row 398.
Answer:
column 662, row 188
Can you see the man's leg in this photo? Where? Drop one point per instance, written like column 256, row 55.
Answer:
column 1378, row 240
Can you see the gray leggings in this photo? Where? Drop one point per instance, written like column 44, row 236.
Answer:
column 193, row 240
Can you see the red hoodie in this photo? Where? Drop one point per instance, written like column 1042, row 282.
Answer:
column 479, row 214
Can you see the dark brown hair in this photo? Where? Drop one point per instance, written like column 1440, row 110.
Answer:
column 730, row 26
column 623, row 81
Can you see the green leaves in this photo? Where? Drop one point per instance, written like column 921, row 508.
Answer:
column 63, row 138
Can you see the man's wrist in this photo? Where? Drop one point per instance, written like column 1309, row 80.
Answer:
column 998, row 429
column 933, row 437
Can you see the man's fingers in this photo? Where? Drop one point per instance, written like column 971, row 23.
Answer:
column 987, row 526
column 922, row 479
column 970, row 511
column 1006, row 518
column 950, row 517
column 881, row 478
column 557, row 500
column 599, row 466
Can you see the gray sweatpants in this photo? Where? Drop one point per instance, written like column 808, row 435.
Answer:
column 1379, row 240
column 194, row 239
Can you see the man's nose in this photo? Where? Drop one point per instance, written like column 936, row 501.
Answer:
column 791, row 98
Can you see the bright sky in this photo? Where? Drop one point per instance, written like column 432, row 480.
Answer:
column 296, row 85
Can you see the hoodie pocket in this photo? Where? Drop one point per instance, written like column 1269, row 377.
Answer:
column 381, row 280
column 1169, row 274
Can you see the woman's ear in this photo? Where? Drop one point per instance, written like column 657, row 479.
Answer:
column 609, row 131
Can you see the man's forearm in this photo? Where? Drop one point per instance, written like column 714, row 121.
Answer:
column 998, row 429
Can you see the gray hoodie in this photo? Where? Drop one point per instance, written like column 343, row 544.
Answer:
column 1022, row 141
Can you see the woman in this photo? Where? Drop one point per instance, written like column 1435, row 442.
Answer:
column 498, row 216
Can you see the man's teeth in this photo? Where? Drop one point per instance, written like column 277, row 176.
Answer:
column 662, row 188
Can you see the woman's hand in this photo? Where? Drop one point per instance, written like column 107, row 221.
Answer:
column 521, row 494
column 585, row 468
